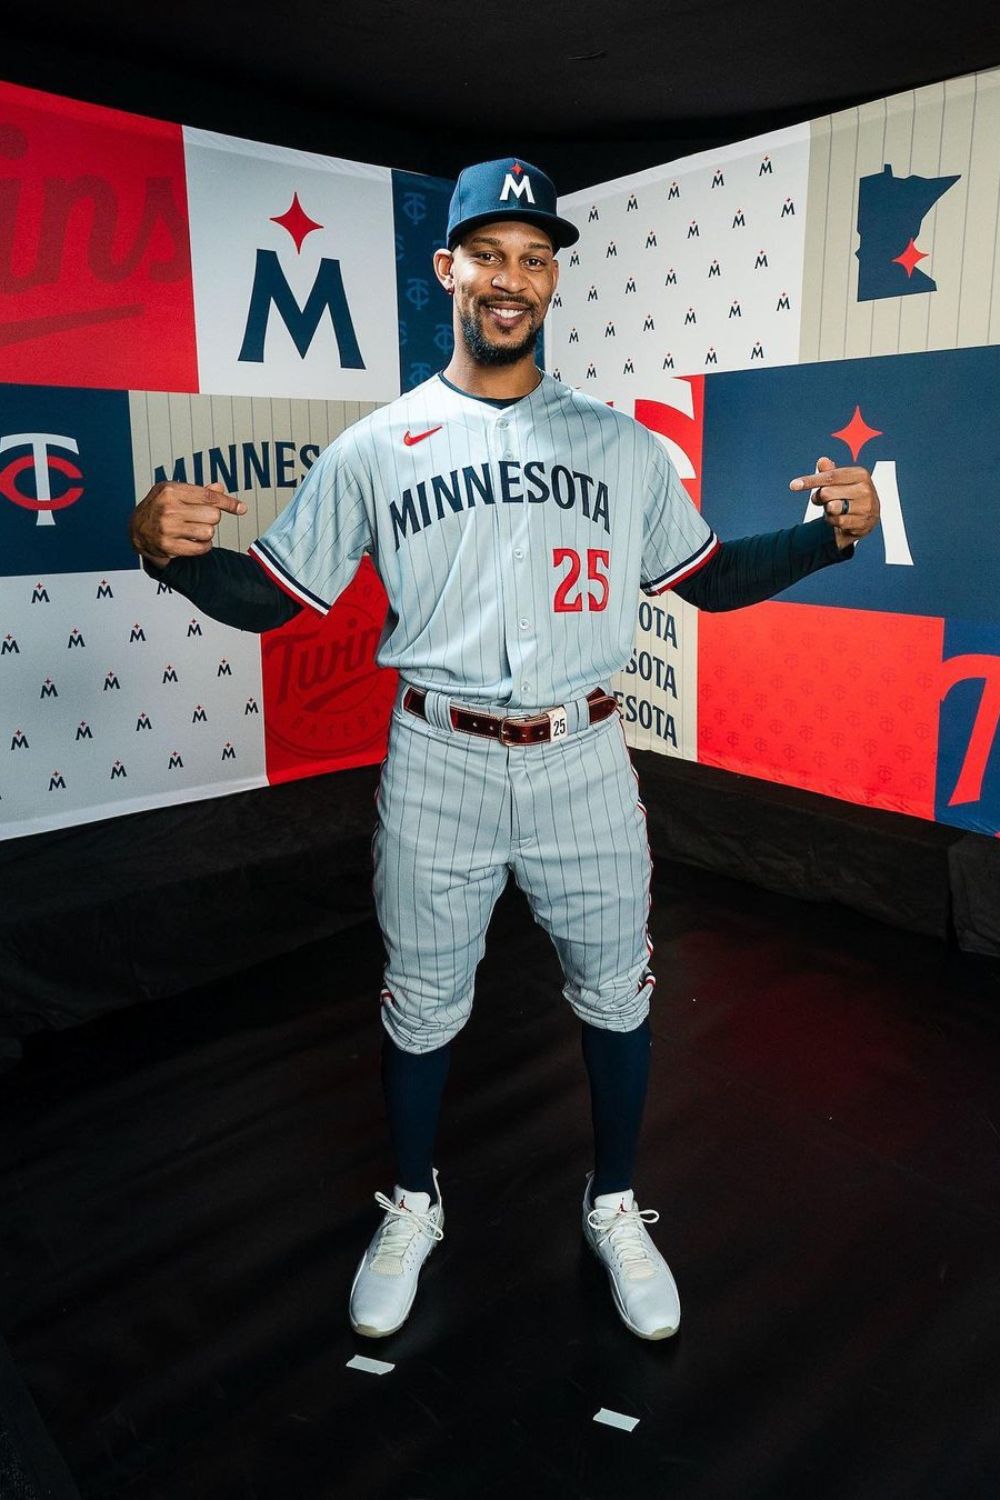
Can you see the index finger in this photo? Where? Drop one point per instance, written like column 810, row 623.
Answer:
column 816, row 481
column 209, row 496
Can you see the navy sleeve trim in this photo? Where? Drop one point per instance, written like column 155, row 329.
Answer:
column 684, row 570
column 278, row 574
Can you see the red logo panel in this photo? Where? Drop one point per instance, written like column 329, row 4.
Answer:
column 326, row 704
column 95, row 259
column 838, row 701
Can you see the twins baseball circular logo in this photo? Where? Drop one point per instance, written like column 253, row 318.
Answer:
column 325, row 698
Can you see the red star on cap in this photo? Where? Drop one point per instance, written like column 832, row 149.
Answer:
column 856, row 433
column 297, row 222
column 517, row 169
column 909, row 259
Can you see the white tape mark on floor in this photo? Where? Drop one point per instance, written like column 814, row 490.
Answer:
column 370, row 1366
column 616, row 1419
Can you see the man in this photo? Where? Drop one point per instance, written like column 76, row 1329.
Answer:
column 512, row 521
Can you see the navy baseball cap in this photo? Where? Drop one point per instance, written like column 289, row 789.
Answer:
column 506, row 189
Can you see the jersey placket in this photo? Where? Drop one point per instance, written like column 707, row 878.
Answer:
column 519, row 623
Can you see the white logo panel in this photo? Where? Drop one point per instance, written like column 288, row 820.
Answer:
column 294, row 272
column 686, row 269
column 115, row 697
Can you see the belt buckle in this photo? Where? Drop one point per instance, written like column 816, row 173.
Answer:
column 503, row 732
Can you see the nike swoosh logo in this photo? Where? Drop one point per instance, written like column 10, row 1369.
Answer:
column 410, row 438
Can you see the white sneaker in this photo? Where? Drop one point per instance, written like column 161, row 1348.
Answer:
column 386, row 1280
column 645, row 1293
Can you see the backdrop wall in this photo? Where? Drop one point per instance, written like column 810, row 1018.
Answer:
column 179, row 304
column 829, row 289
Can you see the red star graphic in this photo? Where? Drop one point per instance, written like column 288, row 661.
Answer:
column 297, row 222
column 517, row 169
column 856, row 433
column 909, row 259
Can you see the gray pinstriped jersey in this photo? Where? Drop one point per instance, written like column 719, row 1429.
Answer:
column 512, row 542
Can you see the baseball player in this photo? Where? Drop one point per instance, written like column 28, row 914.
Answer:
column 513, row 521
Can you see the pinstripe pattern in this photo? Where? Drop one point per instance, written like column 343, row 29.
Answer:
column 464, row 526
column 173, row 427
column 457, row 815
column 944, row 128
column 512, row 543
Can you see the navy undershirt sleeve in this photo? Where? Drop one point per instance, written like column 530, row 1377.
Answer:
column 757, row 567
column 229, row 587
column 232, row 588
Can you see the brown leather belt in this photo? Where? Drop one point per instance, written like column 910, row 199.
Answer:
column 539, row 730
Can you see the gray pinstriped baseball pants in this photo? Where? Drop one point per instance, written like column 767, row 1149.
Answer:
column 457, row 816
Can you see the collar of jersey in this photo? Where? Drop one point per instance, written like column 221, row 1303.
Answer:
column 490, row 400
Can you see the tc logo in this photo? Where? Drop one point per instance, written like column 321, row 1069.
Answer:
column 418, row 292
column 42, row 464
column 415, row 207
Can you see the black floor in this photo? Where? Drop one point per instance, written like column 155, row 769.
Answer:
column 186, row 1188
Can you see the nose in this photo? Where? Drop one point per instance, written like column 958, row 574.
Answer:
column 508, row 279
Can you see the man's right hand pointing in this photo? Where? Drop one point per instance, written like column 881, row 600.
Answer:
column 179, row 520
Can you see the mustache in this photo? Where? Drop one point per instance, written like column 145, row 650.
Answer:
column 505, row 302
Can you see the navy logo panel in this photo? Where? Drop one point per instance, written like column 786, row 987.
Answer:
column 968, row 770
column 67, row 486
column 924, row 424
column 420, row 212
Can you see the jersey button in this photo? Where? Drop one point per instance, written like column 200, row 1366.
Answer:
column 523, row 624
column 519, row 553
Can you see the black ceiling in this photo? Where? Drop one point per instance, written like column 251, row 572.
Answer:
column 590, row 88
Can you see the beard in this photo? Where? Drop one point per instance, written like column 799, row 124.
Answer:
column 486, row 353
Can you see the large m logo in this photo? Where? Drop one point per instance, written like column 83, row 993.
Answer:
column 270, row 289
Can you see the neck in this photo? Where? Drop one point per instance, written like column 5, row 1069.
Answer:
column 498, row 382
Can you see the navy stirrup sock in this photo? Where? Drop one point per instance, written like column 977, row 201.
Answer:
column 413, row 1084
column 618, row 1067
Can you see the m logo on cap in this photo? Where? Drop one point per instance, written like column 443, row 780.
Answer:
column 520, row 189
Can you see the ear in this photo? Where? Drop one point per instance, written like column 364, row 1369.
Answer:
column 444, row 269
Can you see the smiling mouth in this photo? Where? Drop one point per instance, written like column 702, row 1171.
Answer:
column 507, row 314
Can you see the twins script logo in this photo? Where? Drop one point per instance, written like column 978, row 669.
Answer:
column 326, row 703
column 41, row 464
column 93, row 236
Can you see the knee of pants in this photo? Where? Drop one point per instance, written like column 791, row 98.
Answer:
column 621, row 1005
column 421, row 1023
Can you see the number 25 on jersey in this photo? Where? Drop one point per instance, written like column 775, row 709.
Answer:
column 569, row 596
